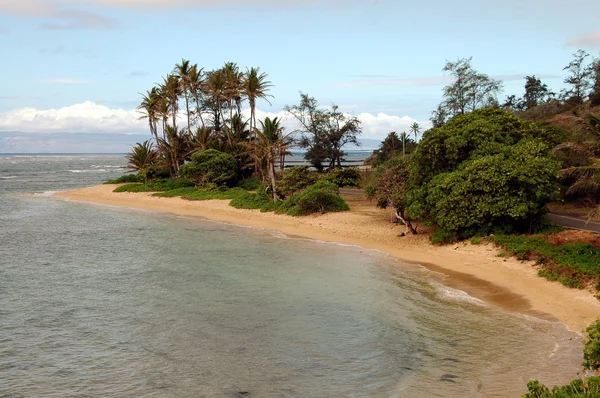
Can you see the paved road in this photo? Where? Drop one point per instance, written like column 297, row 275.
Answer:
column 575, row 223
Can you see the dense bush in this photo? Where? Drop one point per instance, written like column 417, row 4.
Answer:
column 345, row 177
column 588, row 388
column 483, row 169
column 591, row 349
column 295, row 179
column 249, row 184
column 321, row 197
column 210, row 166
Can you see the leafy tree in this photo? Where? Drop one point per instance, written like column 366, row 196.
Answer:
column 439, row 116
column 595, row 95
column 469, row 89
column 536, row 92
column 481, row 170
column 579, row 78
column 209, row 167
column 390, row 190
column 295, row 179
column 325, row 132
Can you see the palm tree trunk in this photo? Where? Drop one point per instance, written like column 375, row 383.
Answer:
column 187, row 109
column 271, row 161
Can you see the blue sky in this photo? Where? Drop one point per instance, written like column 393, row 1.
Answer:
column 79, row 66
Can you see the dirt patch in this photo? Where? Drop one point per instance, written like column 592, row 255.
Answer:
column 572, row 236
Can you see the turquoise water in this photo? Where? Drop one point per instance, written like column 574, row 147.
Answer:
column 106, row 301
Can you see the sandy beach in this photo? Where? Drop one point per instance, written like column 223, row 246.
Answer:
column 476, row 269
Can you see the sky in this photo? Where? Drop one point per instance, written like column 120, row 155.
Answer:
column 72, row 70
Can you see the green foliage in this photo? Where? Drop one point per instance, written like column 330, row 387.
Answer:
column 249, row 184
column 345, row 177
column 481, row 170
column 476, row 240
column 156, row 186
column 573, row 264
column 142, row 156
column 127, row 178
column 210, row 166
column 321, row 197
column 295, row 179
column 588, row 388
column 591, row 348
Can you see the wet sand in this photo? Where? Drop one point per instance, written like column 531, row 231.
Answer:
column 476, row 269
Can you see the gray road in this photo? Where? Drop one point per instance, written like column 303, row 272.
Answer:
column 575, row 223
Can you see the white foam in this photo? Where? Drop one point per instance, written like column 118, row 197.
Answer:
column 45, row 194
column 451, row 294
column 8, row 178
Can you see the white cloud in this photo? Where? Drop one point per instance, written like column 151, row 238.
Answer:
column 89, row 117
column 63, row 80
column 591, row 40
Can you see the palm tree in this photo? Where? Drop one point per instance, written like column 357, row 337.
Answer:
column 233, row 84
column 197, row 84
column 403, row 137
column 415, row 129
column 203, row 138
column 182, row 72
column 142, row 156
column 173, row 149
column 149, row 109
column 255, row 86
column 269, row 143
column 215, row 87
column 171, row 90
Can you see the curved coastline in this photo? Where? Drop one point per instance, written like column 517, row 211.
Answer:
column 476, row 269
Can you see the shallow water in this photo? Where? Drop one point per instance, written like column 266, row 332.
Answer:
column 104, row 301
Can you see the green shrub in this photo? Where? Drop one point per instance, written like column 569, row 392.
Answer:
column 345, row 177
column 591, row 348
column 296, row 179
column 127, row 178
column 320, row 197
column 476, row 240
column 578, row 388
column 210, row 166
column 249, row 184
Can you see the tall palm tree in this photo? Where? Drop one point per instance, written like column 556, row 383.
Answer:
column 203, row 138
column 173, row 149
column 216, row 87
column 255, row 86
column 197, row 84
column 171, row 89
column 269, row 142
column 233, row 87
column 182, row 71
column 149, row 109
column 415, row 129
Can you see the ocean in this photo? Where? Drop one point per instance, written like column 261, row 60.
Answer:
column 117, row 302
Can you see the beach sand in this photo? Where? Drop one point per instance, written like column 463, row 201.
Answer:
column 476, row 269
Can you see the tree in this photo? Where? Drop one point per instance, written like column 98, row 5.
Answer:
column 483, row 170
column 415, row 128
column 469, row 89
column 595, row 94
column 171, row 90
column 325, row 132
column 536, row 92
column 142, row 156
column 439, row 116
column 591, row 349
column 389, row 146
column 149, row 109
column 209, row 167
column 391, row 187
column 197, row 85
column 182, row 71
column 579, row 78
column 255, row 85
column 270, row 141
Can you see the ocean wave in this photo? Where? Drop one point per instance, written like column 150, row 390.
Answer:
column 449, row 293
column 8, row 178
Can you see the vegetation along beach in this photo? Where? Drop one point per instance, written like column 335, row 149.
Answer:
column 231, row 236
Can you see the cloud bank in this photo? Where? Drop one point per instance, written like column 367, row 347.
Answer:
column 95, row 120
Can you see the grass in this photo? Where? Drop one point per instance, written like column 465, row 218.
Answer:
column 573, row 264
column 156, row 186
column 127, row 178
column 318, row 198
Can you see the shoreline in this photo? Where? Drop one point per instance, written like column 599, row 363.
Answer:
column 507, row 283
